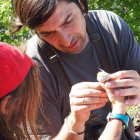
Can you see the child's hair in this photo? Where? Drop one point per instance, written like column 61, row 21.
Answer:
column 22, row 108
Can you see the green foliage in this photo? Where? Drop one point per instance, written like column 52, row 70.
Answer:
column 6, row 20
column 129, row 10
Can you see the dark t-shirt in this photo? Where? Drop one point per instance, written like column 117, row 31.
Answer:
column 122, row 48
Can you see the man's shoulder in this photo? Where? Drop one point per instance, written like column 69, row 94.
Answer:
column 102, row 13
column 105, row 17
column 107, row 20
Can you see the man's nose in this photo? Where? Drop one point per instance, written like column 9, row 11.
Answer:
column 64, row 38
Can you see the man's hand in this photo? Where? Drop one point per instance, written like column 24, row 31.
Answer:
column 86, row 96
column 127, row 83
column 118, row 105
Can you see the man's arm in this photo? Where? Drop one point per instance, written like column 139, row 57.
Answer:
column 113, row 129
column 80, row 111
column 94, row 97
column 73, row 125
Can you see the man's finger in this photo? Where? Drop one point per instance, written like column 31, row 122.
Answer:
column 87, row 85
column 88, row 93
column 88, row 101
column 121, row 83
column 126, row 92
column 86, row 108
column 132, row 102
column 128, row 74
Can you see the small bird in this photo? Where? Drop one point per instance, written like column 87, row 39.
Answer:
column 102, row 76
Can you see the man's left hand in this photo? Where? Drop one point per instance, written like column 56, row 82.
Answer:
column 126, row 83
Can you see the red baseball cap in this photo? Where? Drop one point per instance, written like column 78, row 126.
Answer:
column 14, row 66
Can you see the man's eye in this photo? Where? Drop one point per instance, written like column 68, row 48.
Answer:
column 47, row 34
column 69, row 21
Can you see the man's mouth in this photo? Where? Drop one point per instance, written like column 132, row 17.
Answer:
column 73, row 44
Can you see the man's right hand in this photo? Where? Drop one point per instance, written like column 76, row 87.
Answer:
column 84, row 97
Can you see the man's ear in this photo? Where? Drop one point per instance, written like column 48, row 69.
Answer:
column 81, row 4
column 4, row 103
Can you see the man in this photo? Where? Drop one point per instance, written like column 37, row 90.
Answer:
column 62, row 24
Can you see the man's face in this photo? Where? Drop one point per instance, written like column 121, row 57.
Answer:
column 65, row 29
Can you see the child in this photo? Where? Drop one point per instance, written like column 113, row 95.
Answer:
column 19, row 94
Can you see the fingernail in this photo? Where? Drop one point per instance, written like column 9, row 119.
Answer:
column 116, row 92
column 108, row 85
column 126, row 102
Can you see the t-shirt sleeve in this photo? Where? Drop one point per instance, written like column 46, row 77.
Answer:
column 54, row 96
column 129, row 48
column 127, row 44
column 118, row 40
column 55, row 105
column 51, row 125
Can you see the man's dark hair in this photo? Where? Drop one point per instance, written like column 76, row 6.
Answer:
column 32, row 13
